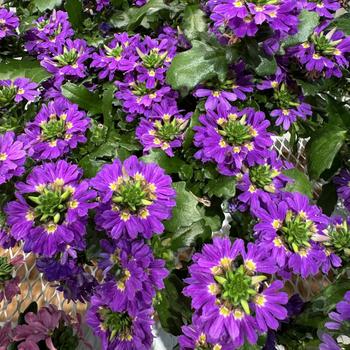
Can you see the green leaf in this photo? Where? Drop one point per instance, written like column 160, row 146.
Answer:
column 323, row 147
column 316, row 312
column 337, row 112
column 43, row 5
column 171, row 165
column 84, row 98
column 185, row 212
column 300, row 184
column 267, row 66
column 194, row 22
column 222, row 186
column 200, row 63
column 328, row 198
column 172, row 307
column 186, row 236
column 342, row 23
column 152, row 7
column 26, row 67
column 308, row 22
column 74, row 9
column 107, row 104
column 32, row 307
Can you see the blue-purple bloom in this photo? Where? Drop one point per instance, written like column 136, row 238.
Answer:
column 51, row 208
column 245, row 18
column 119, row 327
column 260, row 183
column 66, row 60
column 325, row 54
column 9, row 22
column 131, row 271
column 69, row 277
column 290, row 228
column 12, row 157
column 325, row 8
column 228, row 293
column 339, row 325
column 47, row 33
column 229, row 137
column 17, row 90
column 289, row 107
column 231, row 90
column 194, row 337
column 57, row 128
column 118, row 56
column 342, row 182
column 135, row 198
column 163, row 129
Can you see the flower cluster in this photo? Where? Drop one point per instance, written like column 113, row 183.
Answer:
column 342, row 182
column 48, row 326
column 20, row 89
column 12, row 157
column 229, row 291
column 339, row 325
column 48, row 32
column 245, row 18
column 9, row 22
column 289, row 107
column 261, row 183
column 292, row 231
column 231, row 137
column 135, row 198
column 57, row 128
column 325, row 54
column 69, row 276
column 51, row 208
column 9, row 284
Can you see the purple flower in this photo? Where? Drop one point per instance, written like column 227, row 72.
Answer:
column 118, row 56
column 165, row 128
column 244, row 18
column 325, row 8
column 9, row 22
column 342, row 182
column 42, row 326
column 325, row 54
column 101, row 4
column 341, row 315
column 289, row 107
column 328, row 343
column 51, row 208
column 338, row 326
column 227, row 291
column 289, row 229
column 9, row 285
column 12, row 157
column 134, row 273
column 17, row 90
column 229, row 91
column 57, row 128
column 5, row 336
column 137, row 99
column 67, row 60
column 135, row 198
column 71, row 279
column 259, row 183
column 47, row 33
column 193, row 337
column 286, row 117
column 231, row 137
column 119, row 328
